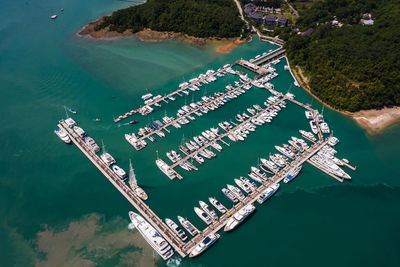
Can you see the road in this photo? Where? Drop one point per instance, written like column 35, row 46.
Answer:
column 241, row 12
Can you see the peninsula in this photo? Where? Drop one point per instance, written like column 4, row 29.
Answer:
column 345, row 53
column 197, row 22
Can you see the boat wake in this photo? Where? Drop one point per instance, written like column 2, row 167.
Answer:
column 131, row 226
column 174, row 261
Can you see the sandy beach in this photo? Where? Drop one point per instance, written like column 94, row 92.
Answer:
column 374, row 120
column 222, row 45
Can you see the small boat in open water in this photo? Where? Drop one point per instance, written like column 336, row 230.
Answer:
column 133, row 122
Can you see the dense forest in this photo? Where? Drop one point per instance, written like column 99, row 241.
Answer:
column 264, row 3
column 351, row 66
column 199, row 18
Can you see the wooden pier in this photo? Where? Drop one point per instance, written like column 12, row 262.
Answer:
column 189, row 156
column 175, row 120
column 252, row 197
column 280, row 53
column 127, row 192
column 164, row 98
column 181, row 247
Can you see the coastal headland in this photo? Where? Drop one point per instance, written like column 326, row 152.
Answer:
column 222, row 45
column 373, row 120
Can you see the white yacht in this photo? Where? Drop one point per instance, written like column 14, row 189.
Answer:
column 165, row 168
column 267, row 193
column 210, row 212
column 119, row 171
column 70, row 122
column 188, row 226
column 79, row 131
column 313, row 126
column 176, row 229
column 156, row 241
column 133, row 183
column 236, row 191
column 230, row 195
column 333, row 141
column 309, row 115
column 62, row 135
column 255, row 177
column 244, row 186
column 253, row 186
column 292, row 174
column 309, row 136
column 325, row 128
column 239, row 217
column 92, row 144
column 203, row 215
column 107, row 158
column 204, row 244
column 221, row 208
column 278, row 159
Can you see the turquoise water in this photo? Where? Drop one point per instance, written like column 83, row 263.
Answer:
column 45, row 184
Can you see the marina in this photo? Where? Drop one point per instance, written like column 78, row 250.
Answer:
column 244, row 205
column 284, row 166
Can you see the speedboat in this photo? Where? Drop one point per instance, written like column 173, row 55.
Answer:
column 119, row 171
column 188, row 226
column 62, row 135
column 176, row 229
column 204, row 244
column 154, row 238
column 203, row 215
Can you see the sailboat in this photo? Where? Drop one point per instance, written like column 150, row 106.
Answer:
column 133, row 183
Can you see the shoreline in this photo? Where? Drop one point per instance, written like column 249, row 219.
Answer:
column 372, row 120
column 222, row 45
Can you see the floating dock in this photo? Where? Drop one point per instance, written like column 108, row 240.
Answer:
column 220, row 137
column 184, row 248
column 175, row 120
column 177, row 92
column 126, row 191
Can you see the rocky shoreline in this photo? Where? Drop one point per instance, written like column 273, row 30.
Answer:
column 222, row 45
column 373, row 120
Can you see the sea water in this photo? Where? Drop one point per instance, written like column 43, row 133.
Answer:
column 57, row 208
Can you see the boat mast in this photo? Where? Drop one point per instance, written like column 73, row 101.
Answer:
column 66, row 113
column 103, row 147
column 132, row 176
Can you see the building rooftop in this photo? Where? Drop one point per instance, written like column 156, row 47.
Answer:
column 307, row 32
column 269, row 18
column 282, row 20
